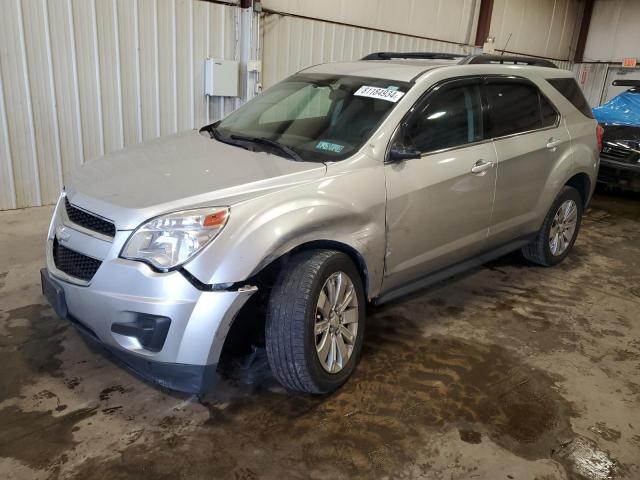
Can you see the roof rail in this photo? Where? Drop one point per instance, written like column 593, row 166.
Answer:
column 489, row 59
column 414, row 55
column 481, row 58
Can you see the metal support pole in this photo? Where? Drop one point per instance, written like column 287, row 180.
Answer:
column 249, row 49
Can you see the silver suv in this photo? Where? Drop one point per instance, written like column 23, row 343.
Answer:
column 343, row 184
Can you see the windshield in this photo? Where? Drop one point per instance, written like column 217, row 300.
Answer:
column 318, row 117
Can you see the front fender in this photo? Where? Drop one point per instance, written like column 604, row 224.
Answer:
column 346, row 207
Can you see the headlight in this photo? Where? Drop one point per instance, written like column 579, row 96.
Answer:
column 170, row 240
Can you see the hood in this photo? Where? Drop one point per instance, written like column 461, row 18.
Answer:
column 179, row 171
column 622, row 133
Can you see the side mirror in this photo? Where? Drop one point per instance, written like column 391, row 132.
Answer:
column 399, row 152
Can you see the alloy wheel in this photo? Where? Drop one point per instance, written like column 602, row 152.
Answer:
column 336, row 325
column 563, row 227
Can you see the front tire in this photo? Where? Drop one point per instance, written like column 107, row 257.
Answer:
column 559, row 230
column 315, row 322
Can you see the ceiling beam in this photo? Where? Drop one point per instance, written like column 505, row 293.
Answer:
column 584, row 31
column 484, row 22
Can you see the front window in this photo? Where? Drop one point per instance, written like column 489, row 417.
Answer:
column 319, row 117
column 447, row 118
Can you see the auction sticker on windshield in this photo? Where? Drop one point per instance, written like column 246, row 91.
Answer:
column 329, row 146
column 388, row 94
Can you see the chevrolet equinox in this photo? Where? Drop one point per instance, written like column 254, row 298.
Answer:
column 346, row 183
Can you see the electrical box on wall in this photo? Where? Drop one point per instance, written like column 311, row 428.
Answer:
column 221, row 77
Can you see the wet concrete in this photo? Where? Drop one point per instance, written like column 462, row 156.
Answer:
column 508, row 371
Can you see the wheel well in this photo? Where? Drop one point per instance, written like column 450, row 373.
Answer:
column 247, row 329
column 582, row 183
column 351, row 252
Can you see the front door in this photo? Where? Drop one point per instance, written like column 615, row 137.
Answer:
column 439, row 205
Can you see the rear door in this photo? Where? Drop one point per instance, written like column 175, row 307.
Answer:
column 529, row 139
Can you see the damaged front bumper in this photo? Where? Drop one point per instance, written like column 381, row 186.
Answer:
column 158, row 324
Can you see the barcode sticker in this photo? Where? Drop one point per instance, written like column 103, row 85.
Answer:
column 387, row 94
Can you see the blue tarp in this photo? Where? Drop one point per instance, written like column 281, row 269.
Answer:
column 623, row 109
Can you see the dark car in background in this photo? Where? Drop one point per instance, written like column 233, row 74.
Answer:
column 620, row 154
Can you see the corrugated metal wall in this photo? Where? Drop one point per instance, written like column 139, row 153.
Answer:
column 546, row 28
column 292, row 43
column 591, row 78
column 613, row 35
column 450, row 20
column 79, row 78
column 613, row 32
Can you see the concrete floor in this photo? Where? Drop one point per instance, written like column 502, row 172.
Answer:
column 509, row 371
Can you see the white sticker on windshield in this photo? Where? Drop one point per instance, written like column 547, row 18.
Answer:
column 387, row 94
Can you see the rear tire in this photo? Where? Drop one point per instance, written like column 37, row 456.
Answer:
column 559, row 230
column 302, row 329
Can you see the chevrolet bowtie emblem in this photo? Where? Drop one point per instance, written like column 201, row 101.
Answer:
column 63, row 234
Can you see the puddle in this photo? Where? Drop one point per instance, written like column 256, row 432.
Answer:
column 105, row 394
column 406, row 388
column 583, row 460
column 30, row 349
column 38, row 439
column 604, row 432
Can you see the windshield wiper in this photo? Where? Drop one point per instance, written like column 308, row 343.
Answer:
column 213, row 131
column 290, row 152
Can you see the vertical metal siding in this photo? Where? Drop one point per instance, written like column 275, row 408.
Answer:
column 442, row 19
column 17, row 104
column 613, row 33
column 79, row 78
column 292, row 43
column 546, row 28
column 592, row 78
column 129, row 64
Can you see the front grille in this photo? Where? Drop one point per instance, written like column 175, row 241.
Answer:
column 620, row 153
column 89, row 221
column 617, row 153
column 74, row 263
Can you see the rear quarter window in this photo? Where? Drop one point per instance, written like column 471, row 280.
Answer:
column 570, row 90
column 549, row 114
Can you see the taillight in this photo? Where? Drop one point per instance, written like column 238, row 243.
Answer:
column 599, row 133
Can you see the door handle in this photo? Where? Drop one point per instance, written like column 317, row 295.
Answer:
column 553, row 143
column 480, row 167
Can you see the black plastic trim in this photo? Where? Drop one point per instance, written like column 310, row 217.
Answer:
column 485, row 59
column 626, row 83
column 150, row 330
column 413, row 55
column 455, row 269
column 213, row 287
column 95, row 223
column 475, row 59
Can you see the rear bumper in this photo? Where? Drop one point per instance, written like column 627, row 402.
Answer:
column 619, row 174
column 158, row 325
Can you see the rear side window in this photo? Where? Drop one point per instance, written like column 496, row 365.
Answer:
column 571, row 91
column 514, row 107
